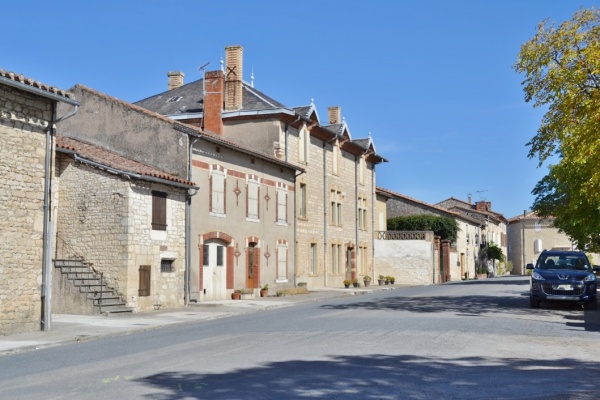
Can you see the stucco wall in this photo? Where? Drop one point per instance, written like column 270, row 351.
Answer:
column 23, row 119
column 410, row 261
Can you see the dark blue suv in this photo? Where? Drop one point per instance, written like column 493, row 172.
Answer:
column 563, row 276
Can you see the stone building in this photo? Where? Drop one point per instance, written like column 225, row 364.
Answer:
column 120, row 218
column 335, row 193
column 28, row 113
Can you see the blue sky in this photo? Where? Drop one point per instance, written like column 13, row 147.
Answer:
column 432, row 81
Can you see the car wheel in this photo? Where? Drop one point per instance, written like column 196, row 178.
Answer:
column 533, row 302
column 592, row 305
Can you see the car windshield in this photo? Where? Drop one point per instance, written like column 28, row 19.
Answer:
column 564, row 262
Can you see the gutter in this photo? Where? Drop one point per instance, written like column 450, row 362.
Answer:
column 188, row 223
column 39, row 92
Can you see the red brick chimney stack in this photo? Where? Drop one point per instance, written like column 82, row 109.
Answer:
column 213, row 101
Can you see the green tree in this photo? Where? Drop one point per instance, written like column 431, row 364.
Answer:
column 444, row 227
column 561, row 65
column 495, row 253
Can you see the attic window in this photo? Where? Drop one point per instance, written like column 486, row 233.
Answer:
column 174, row 99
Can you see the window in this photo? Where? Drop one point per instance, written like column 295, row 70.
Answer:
column 335, row 161
column 281, row 203
column 282, row 261
column 220, row 255
column 362, row 213
column 205, row 255
column 166, row 265
column 159, row 211
column 304, row 138
column 144, row 282
column 313, row 258
column 362, row 258
column 217, row 192
column 362, row 166
column 336, row 258
column 302, row 195
column 252, row 196
column 336, row 208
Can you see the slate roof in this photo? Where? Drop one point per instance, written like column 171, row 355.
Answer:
column 21, row 81
column 105, row 158
column 189, row 99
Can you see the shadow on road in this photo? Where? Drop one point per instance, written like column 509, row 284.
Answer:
column 387, row 377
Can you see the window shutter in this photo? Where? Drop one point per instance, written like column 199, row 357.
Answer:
column 218, row 193
column 144, row 284
column 159, row 211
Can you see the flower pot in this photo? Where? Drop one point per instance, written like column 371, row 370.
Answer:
column 356, row 284
column 381, row 282
column 387, row 282
column 367, row 283
column 346, row 285
column 264, row 293
column 236, row 296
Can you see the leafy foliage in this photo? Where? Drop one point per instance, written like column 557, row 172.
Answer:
column 495, row 253
column 561, row 65
column 445, row 227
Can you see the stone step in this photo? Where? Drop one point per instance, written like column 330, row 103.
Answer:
column 108, row 301
column 117, row 310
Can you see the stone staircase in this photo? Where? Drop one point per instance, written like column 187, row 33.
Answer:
column 102, row 297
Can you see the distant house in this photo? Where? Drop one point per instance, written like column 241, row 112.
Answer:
column 28, row 113
column 529, row 235
column 334, row 194
column 462, row 255
column 493, row 224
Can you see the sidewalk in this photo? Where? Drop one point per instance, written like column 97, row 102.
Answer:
column 66, row 328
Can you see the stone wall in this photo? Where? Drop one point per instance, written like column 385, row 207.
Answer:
column 23, row 120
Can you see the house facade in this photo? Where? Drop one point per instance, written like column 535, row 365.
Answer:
column 334, row 194
column 529, row 235
column 493, row 225
column 27, row 130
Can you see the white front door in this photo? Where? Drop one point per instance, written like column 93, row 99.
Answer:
column 214, row 271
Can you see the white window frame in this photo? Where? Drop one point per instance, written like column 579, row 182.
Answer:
column 282, row 261
column 282, row 195
column 252, row 198
column 218, row 185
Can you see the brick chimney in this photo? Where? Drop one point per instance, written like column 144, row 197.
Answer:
column 335, row 115
column 234, row 61
column 483, row 206
column 213, row 101
column 175, row 79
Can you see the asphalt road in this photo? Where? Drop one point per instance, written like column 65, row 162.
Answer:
column 467, row 340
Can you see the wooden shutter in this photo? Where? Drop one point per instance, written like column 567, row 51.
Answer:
column 144, row 285
column 159, row 211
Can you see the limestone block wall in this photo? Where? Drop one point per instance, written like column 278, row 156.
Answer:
column 23, row 120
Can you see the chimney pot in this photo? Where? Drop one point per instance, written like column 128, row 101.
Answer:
column 175, row 79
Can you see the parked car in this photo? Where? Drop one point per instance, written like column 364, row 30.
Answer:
column 563, row 276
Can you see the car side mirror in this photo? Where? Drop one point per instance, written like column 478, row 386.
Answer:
column 529, row 266
column 596, row 268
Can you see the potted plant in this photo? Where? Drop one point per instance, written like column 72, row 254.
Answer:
column 388, row 280
column 347, row 283
column 355, row 282
column 236, row 295
column 264, row 291
column 381, row 280
column 392, row 280
column 367, row 280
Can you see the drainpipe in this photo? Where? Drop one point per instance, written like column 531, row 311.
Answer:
column 373, row 200
column 356, row 171
column 188, row 218
column 296, row 224
column 48, row 227
column 325, row 213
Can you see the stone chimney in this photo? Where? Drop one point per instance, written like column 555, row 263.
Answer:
column 213, row 101
column 175, row 79
column 233, row 77
column 335, row 115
